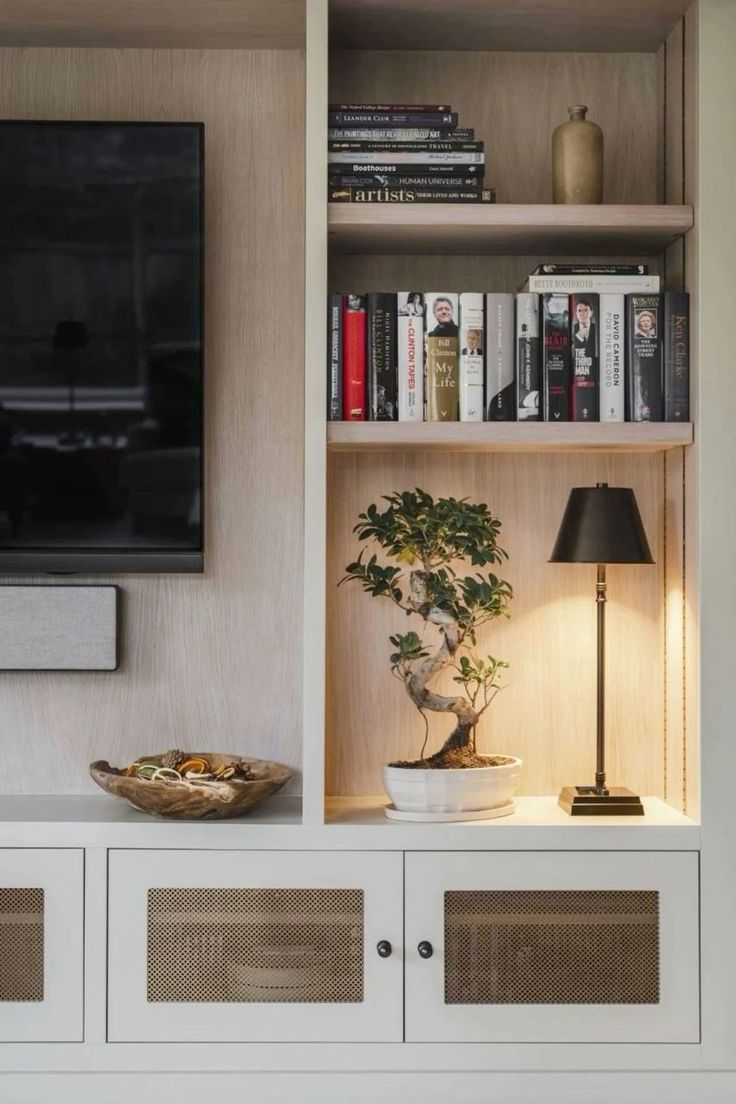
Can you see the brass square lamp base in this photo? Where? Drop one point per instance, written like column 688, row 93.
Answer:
column 586, row 801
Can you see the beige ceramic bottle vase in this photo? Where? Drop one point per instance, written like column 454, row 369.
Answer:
column 577, row 159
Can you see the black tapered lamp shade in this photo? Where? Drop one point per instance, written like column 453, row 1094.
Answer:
column 601, row 524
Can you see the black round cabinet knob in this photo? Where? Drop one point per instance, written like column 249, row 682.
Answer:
column 426, row 950
column 384, row 948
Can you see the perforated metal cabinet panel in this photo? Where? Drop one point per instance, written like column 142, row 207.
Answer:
column 552, row 947
column 254, row 946
column 41, row 944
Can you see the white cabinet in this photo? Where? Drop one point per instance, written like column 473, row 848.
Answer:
column 552, row 947
column 41, row 945
column 255, row 945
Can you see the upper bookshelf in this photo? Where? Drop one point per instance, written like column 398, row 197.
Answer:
column 584, row 25
column 507, row 228
column 217, row 24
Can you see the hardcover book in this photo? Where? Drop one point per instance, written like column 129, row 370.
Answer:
column 442, row 120
column 555, row 312
column 397, row 134
column 411, row 355
column 593, row 284
column 528, row 358
column 676, row 356
column 334, row 358
column 414, row 109
column 415, row 157
column 584, row 357
column 383, row 379
column 353, row 358
column 574, row 269
column 644, row 358
column 396, row 193
column 424, row 181
column 500, row 378
column 396, row 169
column 612, row 346
column 472, row 358
column 442, row 357
column 447, row 146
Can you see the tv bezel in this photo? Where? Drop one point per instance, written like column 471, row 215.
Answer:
column 108, row 561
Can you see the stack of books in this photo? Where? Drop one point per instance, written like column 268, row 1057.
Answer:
column 403, row 153
column 593, row 344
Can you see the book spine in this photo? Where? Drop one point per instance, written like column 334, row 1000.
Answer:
column 411, row 355
column 405, row 147
column 414, row 109
column 612, row 346
column 353, row 358
column 382, row 364
column 396, row 169
column 395, row 194
column 594, row 285
column 591, row 270
column 334, row 358
column 397, row 134
column 441, row 120
column 472, row 349
column 584, row 357
column 442, row 357
column 555, row 320
column 500, row 377
column 676, row 356
column 423, row 183
column 414, row 158
column 528, row 358
column 644, row 399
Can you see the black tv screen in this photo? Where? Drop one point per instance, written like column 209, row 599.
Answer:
column 101, row 346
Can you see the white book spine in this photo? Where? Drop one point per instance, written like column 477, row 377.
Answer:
column 472, row 358
column 612, row 346
column 410, row 306
column 596, row 285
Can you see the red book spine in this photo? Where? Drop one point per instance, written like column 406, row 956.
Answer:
column 354, row 358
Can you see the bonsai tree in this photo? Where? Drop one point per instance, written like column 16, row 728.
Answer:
column 426, row 542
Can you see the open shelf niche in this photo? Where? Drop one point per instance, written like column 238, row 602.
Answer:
column 546, row 714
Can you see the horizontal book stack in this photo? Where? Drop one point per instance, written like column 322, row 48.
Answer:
column 403, row 153
column 589, row 345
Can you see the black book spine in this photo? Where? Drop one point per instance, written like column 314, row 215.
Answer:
column 404, row 147
column 644, row 391
column 398, row 194
column 405, row 168
column 383, row 368
column 591, row 270
column 334, row 358
column 528, row 358
column 372, row 108
column 584, row 357
column 382, row 180
column 676, row 356
column 555, row 318
column 442, row 120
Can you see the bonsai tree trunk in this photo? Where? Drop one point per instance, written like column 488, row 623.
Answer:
column 416, row 685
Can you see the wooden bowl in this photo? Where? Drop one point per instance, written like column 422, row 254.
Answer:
column 193, row 799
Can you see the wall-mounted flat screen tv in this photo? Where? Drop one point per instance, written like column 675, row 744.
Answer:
column 101, row 243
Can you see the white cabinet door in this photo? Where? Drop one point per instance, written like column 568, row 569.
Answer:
column 41, row 945
column 552, row 947
column 255, row 945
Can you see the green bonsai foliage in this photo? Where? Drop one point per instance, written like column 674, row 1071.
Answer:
column 425, row 541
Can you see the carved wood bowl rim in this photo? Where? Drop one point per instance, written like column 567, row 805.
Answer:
column 191, row 799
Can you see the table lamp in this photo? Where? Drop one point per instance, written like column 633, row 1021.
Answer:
column 601, row 525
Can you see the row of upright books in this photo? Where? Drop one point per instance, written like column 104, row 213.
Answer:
column 403, row 153
column 588, row 348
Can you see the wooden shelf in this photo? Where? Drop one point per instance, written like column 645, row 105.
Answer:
column 225, row 24
column 583, row 25
column 507, row 436
column 556, row 229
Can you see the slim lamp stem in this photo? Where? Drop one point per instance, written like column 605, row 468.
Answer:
column 600, row 765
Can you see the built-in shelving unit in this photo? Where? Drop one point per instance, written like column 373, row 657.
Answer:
column 508, row 436
column 507, row 228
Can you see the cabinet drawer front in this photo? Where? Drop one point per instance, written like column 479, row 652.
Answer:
column 239, row 946
column 531, row 947
column 41, row 945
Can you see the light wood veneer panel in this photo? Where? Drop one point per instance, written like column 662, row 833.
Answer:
column 514, row 101
column 508, row 436
column 501, row 25
column 547, row 712
column 224, row 24
column 209, row 661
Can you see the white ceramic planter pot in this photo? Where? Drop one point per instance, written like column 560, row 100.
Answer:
column 474, row 790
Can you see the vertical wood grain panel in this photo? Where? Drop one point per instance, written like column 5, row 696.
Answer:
column 213, row 661
column 515, row 100
column 547, row 712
